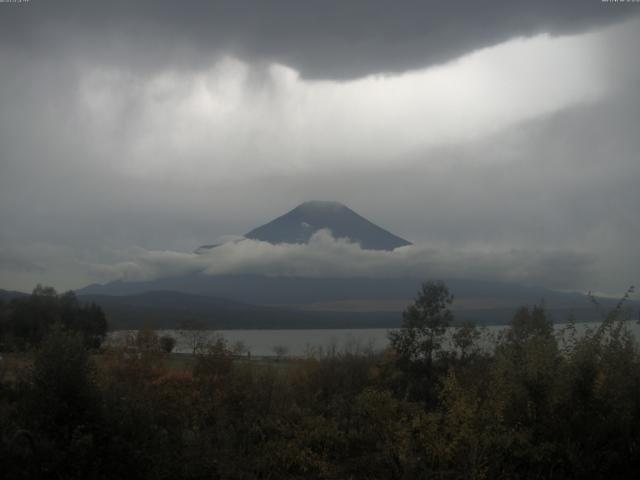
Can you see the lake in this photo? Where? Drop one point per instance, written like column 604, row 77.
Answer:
column 302, row 342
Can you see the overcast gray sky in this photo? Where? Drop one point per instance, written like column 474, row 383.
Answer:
column 501, row 137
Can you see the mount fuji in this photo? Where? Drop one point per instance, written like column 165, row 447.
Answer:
column 263, row 301
column 301, row 223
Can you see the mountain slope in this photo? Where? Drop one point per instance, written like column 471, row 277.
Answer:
column 8, row 295
column 263, row 290
column 167, row 309
column 289, row 302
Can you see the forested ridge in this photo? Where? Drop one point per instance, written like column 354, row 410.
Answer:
column 536, row 405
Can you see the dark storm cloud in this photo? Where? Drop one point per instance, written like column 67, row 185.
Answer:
column 321, row 39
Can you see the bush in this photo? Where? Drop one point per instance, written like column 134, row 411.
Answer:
column 167, row 343
column 530, row 408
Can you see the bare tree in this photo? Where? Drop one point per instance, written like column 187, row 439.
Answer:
column 194, row 335
column 239, row 348
column 280, row 350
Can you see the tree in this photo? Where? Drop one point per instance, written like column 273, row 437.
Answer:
column 167, row 343
column 63, row 393
column 213, row 365
column 530, row 323
column 4, row 315
column 31, row 317
column 424, row 324
column 61, row 406
column 87, row 319
column 146, row 340
column 465, row 339
column 27, row 320
column 194, row 335
column 280, row 350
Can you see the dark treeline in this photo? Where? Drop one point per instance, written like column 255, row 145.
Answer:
column 26, row 320
column 534, row 406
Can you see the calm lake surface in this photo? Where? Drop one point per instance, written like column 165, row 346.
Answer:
column 305, row 342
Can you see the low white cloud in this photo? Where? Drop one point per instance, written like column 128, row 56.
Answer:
column 325, row 256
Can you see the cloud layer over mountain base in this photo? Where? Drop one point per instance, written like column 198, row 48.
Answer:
column 328, row 257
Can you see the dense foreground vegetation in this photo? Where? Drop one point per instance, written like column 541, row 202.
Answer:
column 535, row 406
